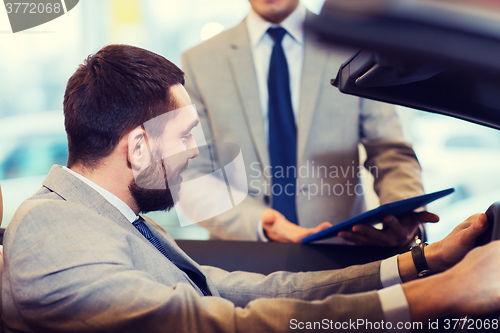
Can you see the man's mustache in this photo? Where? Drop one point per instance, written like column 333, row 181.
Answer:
column 185, row 167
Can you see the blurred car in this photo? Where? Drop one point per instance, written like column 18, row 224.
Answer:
column 32, row 144
column 459, row 154
column 455, row 153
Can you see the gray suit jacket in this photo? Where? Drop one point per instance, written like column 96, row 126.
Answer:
column 221, row 80
column 74, row 263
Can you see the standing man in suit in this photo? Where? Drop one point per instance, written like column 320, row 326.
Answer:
column 80, row 258
column 265, row 86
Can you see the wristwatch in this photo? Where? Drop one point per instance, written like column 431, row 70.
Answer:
column 417, row 254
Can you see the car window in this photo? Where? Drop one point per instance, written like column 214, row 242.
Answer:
column 468, row 141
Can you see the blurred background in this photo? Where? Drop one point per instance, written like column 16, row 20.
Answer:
column 36, row 64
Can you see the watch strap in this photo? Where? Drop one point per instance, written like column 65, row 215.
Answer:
column 418, row 256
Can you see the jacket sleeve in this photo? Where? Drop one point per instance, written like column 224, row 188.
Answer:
column 83, row 280
column 244, row 287
column 390, row 159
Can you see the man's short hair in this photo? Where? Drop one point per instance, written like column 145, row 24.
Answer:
column 111, row 93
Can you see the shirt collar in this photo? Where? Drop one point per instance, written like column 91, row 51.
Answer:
column 294, row 25
column 110, row 197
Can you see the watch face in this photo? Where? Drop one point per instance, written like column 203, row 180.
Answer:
column 424, row 273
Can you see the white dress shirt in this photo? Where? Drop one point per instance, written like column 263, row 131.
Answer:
column 293, row 46
column 262, row 45
column 110, row 197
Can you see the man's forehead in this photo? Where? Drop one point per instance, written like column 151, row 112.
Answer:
column 180, row 118
column 185, row 116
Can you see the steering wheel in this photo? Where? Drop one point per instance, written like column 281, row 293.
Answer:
column 468, row 323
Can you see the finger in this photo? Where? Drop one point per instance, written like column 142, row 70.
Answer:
column 394, row 228
column 387, row 218
column 309, row 231
column 299, row 233
column 481, row 224
column 387, row 237
column 468, row 222
column 427, row 217
column 392, row 235
column 268, row 216
column 322, row 226
column 478, row 226
column 367, row 230
column 416, row 218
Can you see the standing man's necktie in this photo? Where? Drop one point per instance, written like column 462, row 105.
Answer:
column 282, row 130
column 196, row 277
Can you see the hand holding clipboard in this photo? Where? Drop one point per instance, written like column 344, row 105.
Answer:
column 395, row 208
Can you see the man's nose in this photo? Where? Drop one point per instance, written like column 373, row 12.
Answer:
column 193, row 150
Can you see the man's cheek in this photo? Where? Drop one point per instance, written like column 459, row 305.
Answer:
column 172, row 152
column 173, row 169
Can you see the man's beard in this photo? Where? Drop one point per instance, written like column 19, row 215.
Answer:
column 151, row 191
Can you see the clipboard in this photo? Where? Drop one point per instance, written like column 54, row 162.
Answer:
column 376, row 215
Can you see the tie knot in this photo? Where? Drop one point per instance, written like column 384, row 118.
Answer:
column 277, row 34
column 138, row 220
column 142, row 227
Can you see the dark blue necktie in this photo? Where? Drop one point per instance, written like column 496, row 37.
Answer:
column 282, row 130
column 197, row 278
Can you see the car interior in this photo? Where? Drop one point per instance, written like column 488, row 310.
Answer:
column 423, row 55
column 439, row 57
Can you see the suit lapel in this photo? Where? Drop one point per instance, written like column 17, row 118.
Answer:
column 178, row 256
column 73, row 189
column 245, row 80
column 315, row 57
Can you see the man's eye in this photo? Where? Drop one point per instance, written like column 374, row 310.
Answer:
column 187, row 136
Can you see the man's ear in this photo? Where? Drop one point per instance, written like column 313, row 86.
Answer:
column 138, row 151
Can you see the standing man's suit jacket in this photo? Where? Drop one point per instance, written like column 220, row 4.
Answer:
column 221, row 80
column 74, row 263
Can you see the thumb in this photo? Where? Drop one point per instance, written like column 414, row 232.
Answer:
column 268, row 216
column 322, row 226
column 479, row 225
column 428, row 217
